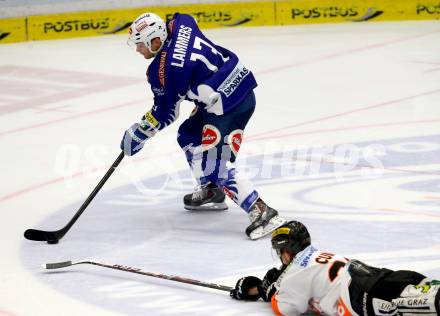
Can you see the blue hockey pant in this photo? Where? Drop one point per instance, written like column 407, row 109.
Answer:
column 211, row 143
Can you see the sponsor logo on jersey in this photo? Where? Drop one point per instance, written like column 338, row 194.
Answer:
column 171, row 26
column 161, row 71
column 306, row 260
column 76, row 25
column 235, row 139
column 181, row 46
column 417, row 302
column 210, row 136
column 303, row 258
column 158, row 91
column 234, row 79
column 423, row 288
column 380, row 307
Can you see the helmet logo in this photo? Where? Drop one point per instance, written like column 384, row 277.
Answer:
column 281, row 231
column 145, row 15
column 141, row 26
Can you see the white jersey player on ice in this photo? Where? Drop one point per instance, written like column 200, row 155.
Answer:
column 316, row 282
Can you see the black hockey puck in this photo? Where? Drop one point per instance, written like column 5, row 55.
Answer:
column 52, row 241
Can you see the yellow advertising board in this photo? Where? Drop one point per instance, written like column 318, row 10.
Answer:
column 424, row 10
column 116, row 21
column 328, row 11
column 214, row 15
column 13, row 30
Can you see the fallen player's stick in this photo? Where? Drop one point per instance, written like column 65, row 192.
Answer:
column 64, row 264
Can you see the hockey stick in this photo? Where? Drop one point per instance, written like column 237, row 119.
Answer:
column 64, row 264
column 52, row 237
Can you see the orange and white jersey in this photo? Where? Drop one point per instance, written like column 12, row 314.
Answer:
column 316, row 281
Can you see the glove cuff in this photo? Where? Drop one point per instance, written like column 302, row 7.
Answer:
column 266, row 295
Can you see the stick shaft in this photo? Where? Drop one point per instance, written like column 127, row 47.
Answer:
column 124, row 268
column 94, row 192
column 41, row 235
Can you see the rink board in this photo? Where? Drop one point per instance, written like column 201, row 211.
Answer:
column 327, row 11
column 215, row 15
column 13, row 30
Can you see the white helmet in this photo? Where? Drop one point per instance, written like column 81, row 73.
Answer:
column 146, row 27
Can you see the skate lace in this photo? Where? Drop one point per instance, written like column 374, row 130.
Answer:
column 255, row 214
column 199, row 193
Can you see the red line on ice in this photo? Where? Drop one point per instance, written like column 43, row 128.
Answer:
column 68, row 118
column 314, row 60
column 412, row 212
column 328, row 130
column 370, row 107
column 6, row 313
column 60, row 179
column 262, row 72
column 346, row 52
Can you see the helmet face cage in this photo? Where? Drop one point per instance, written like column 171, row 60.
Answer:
column 145, row 28
column 292, row 236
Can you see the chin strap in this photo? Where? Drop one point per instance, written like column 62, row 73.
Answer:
column 156, row 51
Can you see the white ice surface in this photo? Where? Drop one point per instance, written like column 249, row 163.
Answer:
column 65, row 104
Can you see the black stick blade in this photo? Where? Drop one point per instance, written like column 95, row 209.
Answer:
column 40, row 235
column 58, row 265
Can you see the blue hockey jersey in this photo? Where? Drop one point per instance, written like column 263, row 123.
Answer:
column 191, row 67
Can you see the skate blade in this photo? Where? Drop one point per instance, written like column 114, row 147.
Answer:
column 207, row 207
column 261, row 231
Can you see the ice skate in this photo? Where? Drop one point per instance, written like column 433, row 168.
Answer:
column 205, row 198
column 264, row 220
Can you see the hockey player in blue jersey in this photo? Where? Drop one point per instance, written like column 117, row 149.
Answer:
column 188, row 66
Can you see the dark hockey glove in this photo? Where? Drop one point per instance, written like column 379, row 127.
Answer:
column 268, row 288
column 241, row 290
